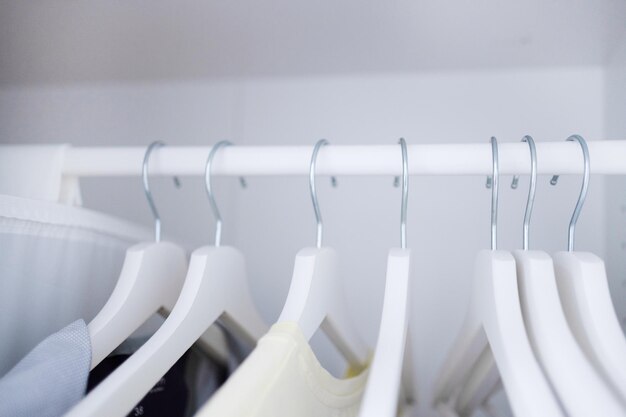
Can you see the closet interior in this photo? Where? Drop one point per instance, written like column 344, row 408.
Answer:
column 172, row 143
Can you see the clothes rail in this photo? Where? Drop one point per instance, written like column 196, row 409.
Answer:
column 607, row 157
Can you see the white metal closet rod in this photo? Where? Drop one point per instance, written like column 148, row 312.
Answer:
column 607, row 157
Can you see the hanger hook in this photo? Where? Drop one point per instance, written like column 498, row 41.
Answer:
column 583, row 190
column 316, row 206
column 146, row 189
column 209, row 190
column 494, row 193
column 405, row 192
column 530, row 202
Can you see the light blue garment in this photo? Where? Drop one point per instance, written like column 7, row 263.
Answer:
column 50, row 379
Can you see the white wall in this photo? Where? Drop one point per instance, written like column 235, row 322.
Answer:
column 272, row 219
column 616, row 186
column 127, row 114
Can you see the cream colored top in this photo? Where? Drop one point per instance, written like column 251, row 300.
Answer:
column 282, row 377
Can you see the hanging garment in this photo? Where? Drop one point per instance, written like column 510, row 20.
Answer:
column 51, row 378
column 282, row 377
column 186, row 386
column 57, row 264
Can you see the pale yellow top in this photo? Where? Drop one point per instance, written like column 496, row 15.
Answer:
column 282, row 377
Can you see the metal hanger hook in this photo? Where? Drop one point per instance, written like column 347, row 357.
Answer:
column 571, row 231
column 530, row 202
column 405, row 192
column 495, row 176
column 146, row 189
column 313, row 191
column 209, row 190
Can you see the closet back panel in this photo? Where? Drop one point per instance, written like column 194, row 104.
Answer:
column 272, row 218
column 615, row 106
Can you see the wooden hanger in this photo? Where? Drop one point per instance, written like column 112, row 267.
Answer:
column 215, row 288
column 495, row 319
column 151, row 278
column 584, row 290
column 563, row 360
column 383, row 385
column 315, row 298
column 480, row 386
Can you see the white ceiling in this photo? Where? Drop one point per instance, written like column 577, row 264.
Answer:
column 50, row 41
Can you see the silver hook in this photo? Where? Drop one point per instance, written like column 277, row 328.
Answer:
column 531, row 190
column 583, row 190
column 405, row 192
column 494, row 193
column 316, row 206
column 146, row 189
column 209, row 190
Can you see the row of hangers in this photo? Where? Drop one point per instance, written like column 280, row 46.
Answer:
column 542, row 327
column 156, row 277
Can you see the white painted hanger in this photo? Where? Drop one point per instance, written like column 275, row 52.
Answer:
column 383, row 385
column 495, row 319
column 584, row 290
column 562, row 359
column 315, row 298
column 483, row 381
column 478, row 397
column 215, row 288
column 151, row 278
